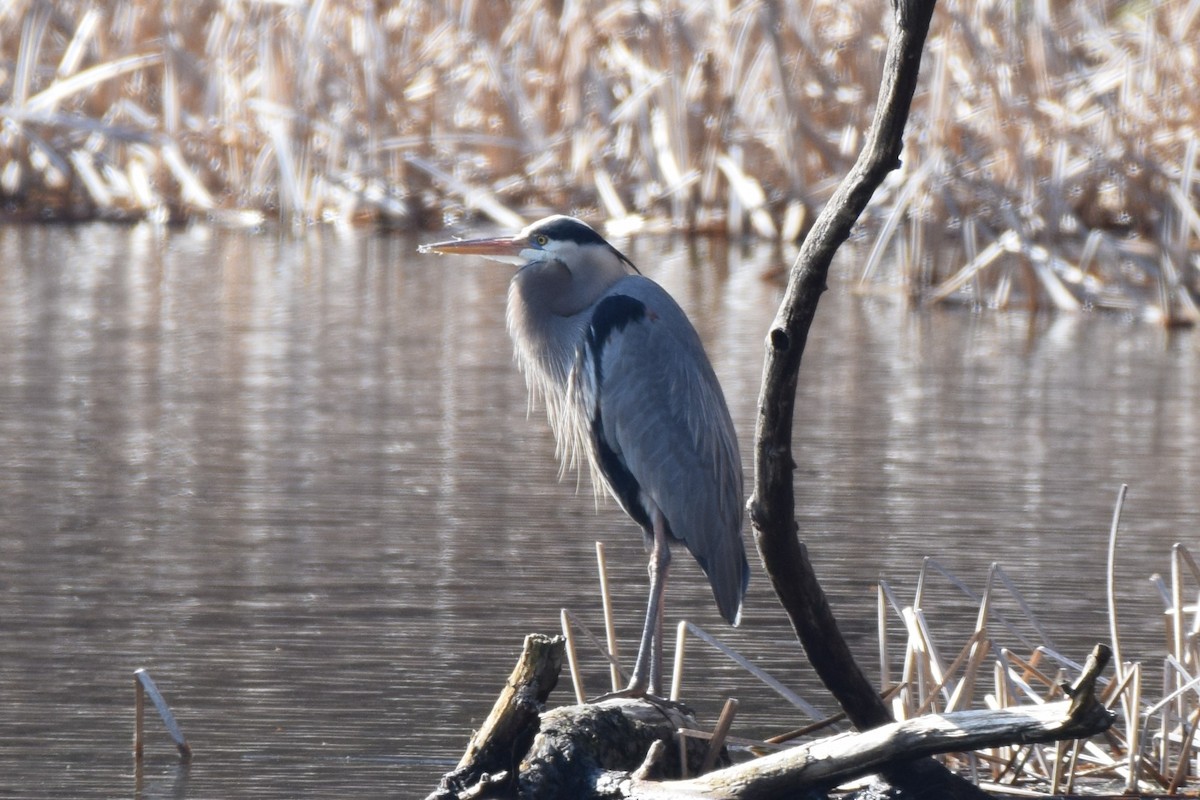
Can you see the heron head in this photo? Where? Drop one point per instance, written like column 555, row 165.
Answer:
column 560, row 238
column 565, row 266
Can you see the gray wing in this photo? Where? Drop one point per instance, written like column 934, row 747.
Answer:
column 663, row 415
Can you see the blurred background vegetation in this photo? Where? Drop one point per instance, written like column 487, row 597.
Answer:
column 1051, row 158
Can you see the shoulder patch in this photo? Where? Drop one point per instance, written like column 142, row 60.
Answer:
column 611, row 316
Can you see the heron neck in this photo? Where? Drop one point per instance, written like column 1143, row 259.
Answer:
column 547, row 343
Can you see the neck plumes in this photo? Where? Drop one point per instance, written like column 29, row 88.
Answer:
column 548, row 326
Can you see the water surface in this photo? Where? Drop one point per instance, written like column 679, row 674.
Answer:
column 295, row 478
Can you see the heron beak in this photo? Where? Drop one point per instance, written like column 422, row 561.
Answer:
column 500, row 248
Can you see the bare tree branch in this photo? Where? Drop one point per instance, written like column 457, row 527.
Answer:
column 773, row 504
column 772, row 507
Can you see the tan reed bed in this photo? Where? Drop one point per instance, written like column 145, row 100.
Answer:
column 1051, row 158
column 1006, row 662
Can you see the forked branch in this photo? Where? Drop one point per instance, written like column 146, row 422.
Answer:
column 772, row 507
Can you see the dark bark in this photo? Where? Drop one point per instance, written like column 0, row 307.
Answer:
column 588, row 750
column 772, row 506
column 573, row 751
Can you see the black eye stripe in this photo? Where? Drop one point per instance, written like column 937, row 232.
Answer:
column 567, row 229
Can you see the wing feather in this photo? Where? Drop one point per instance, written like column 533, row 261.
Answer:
column 664, row 416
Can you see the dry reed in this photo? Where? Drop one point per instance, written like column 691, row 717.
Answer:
column 1151, row 750
column 1051, row 158
column 1008, row 660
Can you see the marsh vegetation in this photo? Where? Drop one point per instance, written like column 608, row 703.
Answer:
column 1051, row 159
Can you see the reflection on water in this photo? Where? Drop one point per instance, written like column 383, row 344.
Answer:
column 294, row 479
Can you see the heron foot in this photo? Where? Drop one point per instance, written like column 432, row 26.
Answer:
column 630, row 692
column 639, row 686
column 640, row 693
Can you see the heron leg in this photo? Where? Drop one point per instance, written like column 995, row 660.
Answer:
column 647, row 670
column 656, row 660
column 646, row 681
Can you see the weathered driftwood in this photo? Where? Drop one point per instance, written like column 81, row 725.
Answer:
column 580, row 750
column 490, row 762
column 622, row 749
column 837, row 759
column 565, row 751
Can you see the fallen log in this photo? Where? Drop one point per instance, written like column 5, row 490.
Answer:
column 582, row 748
column 521, row 750
column 837, row 759
column 623, row 749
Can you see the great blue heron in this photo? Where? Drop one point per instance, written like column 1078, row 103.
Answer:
column 626, row 382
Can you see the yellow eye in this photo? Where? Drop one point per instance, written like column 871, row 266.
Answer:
column 541, row 240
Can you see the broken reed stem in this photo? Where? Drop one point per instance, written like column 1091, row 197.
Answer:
column 1076, row 749
column 885, row 673
column 1060, row 766
column 139, row 708
column 575, row 622
column 833, row 719
column 1181, row 769
column 758, row 672
column 1131, row 701
column 145, row 685
column 610, row 631
column 572, row 660
column 724, row 722
column 1029, row 669
column 967, row 679
column 1111, row 578
column 1176, row 605
column 677, row 668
